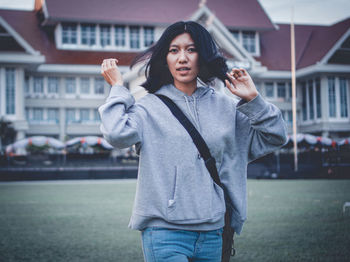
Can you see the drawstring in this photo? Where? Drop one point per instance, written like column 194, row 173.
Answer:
column 196, row 113
column 194, row 117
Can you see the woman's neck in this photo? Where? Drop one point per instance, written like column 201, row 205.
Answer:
column 187, row 88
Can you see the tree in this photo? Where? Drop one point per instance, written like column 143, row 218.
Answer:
column 7, row 133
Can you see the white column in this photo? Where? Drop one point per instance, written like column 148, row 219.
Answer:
column 19, row 91
column 2, row 92
column 324, row 98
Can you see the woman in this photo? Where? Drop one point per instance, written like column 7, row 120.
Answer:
column 178, row 207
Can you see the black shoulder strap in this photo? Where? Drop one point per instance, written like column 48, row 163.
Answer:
column 196, row 137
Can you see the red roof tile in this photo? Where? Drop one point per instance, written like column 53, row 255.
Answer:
column 233, row 13
column 312, row 43
column 26, row 24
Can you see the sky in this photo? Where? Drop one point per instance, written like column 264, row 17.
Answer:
column 323, row 12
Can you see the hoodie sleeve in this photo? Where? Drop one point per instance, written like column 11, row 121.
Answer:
column 262, row 126
column 120, row 122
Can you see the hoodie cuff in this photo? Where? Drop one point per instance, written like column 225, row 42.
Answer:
column 253, row 107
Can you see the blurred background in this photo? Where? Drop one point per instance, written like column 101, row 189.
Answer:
column 51, row 87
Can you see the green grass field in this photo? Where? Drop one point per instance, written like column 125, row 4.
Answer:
column 294, row 220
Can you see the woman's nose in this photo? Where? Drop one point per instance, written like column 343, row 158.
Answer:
column 182, row 57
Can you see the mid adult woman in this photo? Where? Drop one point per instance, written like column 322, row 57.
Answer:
column 178, row 207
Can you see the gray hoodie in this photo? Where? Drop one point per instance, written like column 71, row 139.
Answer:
column 174, row 188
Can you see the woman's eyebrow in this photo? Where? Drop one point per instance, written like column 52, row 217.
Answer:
column 173, row 45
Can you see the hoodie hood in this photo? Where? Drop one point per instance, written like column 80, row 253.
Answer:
column 175, row 94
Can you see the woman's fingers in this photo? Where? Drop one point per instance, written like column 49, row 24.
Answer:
column 229, row 86
column 232, row 78
column 110, row 71
column 238, row 72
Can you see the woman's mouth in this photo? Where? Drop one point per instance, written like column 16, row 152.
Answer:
column 182, row 69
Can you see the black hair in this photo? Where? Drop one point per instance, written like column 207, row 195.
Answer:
column 211, row 62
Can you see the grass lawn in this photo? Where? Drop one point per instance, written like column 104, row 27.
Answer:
column 288, row 220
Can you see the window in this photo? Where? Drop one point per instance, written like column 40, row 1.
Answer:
column 10, row 91
column 70, row 85
column 84, row 115
column 96, row 116
column 249, row 41
column 281, row 90
column 148, row 36
column 235, row 34
column 290, row 90
column 99, row 86
column 290, row 116
column 27, row 114
column 85, row 85
column 318, row 98
column 331, row 97
column 88, row 34
column 311, row 100
column 38, row 85
column 134, row 37
column 70, row 115
column 105, row 35
column 52, row 87
column 69, row 34
column 269, row 90
column 52, row 115
column 119, row 35
column 26, row 84
column 343, row 97
column 287, row 115
column 304, row 101
column 38, row 114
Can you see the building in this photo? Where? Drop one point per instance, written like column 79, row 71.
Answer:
column 50, row 82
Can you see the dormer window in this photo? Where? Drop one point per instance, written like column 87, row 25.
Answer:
column 249, row 42
column 134, row 37
column 119, row 35
column 248, row 39
column 148, row 35
column 69, row 34
column 105, row 35
column 88, row 34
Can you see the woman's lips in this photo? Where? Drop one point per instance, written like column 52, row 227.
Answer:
column 183, row 70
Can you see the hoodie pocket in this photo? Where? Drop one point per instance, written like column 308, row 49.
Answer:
column 195, row 198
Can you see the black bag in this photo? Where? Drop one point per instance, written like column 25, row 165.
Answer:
column 228, row 233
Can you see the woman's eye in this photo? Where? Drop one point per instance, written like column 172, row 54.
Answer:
column 192, row 49
column 173, row 50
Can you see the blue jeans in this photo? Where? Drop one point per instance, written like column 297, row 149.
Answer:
column 172, row 245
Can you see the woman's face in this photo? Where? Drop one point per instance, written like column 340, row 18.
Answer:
column 182, row 60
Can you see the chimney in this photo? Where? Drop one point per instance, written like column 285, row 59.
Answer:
column 38, row 4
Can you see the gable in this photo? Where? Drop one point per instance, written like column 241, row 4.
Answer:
column 13, row 41
column 8, row 42
column 342, row 54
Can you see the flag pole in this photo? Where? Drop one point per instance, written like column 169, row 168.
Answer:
column 292, row 44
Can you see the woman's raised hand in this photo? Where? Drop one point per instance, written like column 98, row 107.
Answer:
column 241, row 84
column 110, row 72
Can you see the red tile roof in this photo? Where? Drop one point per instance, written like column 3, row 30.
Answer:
column 312, row 43
column 233, row 13
column 26, row 24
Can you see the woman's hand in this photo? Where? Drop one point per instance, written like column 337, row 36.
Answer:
column 110, row 72
column 241, row 84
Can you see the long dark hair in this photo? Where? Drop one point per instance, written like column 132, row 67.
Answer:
column 211, row 62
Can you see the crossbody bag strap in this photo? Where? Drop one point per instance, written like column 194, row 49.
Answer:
column 197, row 139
